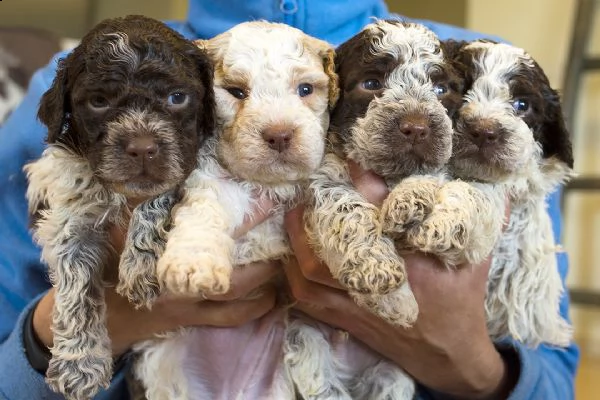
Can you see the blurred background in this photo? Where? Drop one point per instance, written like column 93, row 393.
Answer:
column 553, row 31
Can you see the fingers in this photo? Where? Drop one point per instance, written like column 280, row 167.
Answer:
column 236, row 312
column 323, row 303
column 369, row 184
column 247, row 278
column 310, row 265
column 261, row 210
column 309, row 292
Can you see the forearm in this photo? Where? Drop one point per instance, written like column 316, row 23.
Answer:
column 19, row 380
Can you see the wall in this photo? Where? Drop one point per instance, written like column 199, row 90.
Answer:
column 542, row 27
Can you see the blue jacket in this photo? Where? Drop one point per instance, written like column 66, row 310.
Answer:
column 545, row 373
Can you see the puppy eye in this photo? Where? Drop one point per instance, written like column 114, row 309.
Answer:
column 372, row 84
column 520, row 105
column 237, row 93
column 304, row 89
column 177, row 99
column 98, row 103
column 440, row 89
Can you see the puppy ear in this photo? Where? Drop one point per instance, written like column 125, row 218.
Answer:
column 334, row 85
column 327, row 54
column 55, row 104
column 555, row 138
column 455, row 55
column 205, row 69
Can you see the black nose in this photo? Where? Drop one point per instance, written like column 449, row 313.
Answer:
column 142, row 148
column 415, row 131
column 278, row 139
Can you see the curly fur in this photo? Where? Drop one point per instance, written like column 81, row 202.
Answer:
column 97, row 110
column 269, row 139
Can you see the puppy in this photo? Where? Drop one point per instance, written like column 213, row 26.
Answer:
column 392, row 118
column 397, row 92
column 274, row 87
column 126, row 115
column 511, row 130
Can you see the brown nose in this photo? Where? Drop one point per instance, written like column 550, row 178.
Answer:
column 142, row 148
column 415, row 131
column 484, row 135
column 278, row 139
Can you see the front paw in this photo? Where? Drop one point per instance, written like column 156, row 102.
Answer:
column 445, row 236
column 398, row 307
column 188, row 272
column 403, row 210
column 137, row 278
column 79, row 377
column 372, row 267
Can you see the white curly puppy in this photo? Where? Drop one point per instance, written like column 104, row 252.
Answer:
column 511, row 130
column 274, row 86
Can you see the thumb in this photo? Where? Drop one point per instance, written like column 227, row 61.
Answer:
column 368, row 183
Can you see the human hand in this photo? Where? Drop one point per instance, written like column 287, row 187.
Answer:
column 448, row 349
column 126, row 325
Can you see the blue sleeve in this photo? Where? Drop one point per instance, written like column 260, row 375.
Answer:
column 23, row 278
column 18, row 381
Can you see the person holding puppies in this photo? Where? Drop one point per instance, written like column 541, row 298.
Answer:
column 448, row 350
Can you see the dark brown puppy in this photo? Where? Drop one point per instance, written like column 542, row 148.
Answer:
column 126, row 114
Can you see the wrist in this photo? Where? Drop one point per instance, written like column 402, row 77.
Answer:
column 491, row 375
column 41, row 321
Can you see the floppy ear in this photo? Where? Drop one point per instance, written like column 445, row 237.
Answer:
column 205, row 69
column 456, row 56
column 55, row 104
column 555, row 139
column 334, row 85
column 327, row 54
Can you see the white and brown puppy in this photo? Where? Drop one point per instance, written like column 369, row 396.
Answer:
column 392, row 118
column 511, row 130
column 397, row 91
column 274, row 87
column 126, row 115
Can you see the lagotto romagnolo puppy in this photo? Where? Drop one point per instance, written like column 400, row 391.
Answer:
column 393, row 118
column 397, row 92
column 274, row 87
column 511, row 130
column 126, row 114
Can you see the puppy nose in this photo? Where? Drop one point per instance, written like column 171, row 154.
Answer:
column 278, row 139
column 143, row 147
column 484, row 135
column 415, row 131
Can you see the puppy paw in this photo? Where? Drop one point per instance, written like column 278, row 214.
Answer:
column 407, row 206
column 79, row 377
column 444, row 235
column 137, row 278
column 189, row 273
column 398, row 307
column 372, row 267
